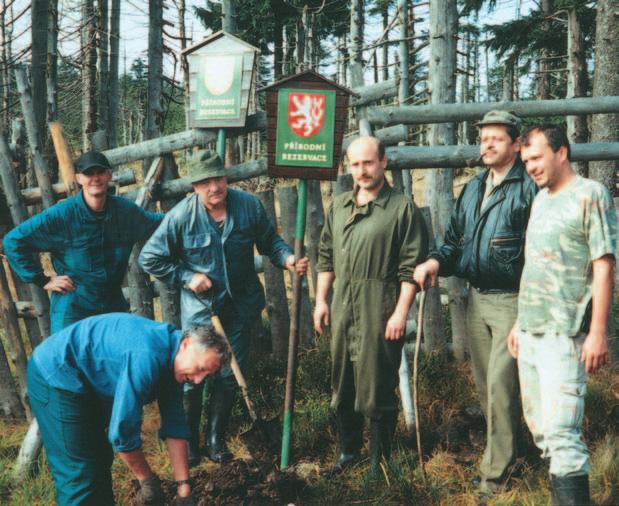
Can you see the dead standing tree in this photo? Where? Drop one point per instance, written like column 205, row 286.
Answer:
column 605, row 83
column 439, row 182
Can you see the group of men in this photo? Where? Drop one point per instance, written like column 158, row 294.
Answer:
column 539, row 265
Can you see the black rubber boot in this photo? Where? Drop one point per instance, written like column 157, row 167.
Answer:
column 570, row 490
column 192, row 402
column 376, row 452
column 350, row 432
column 388, row 424
column 382, row 431
column 219, row 409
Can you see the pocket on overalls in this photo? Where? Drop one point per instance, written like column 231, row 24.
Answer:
column 571, row 404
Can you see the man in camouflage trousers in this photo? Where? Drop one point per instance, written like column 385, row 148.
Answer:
column 563, row 307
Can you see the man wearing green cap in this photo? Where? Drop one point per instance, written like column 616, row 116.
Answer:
column 90, row 237
column 484, row 244
column 206, row 246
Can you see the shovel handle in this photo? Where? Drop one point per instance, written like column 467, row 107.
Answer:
column 236, row 369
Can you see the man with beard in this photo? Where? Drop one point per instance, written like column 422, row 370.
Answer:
column 484, row 244
column 372, row 239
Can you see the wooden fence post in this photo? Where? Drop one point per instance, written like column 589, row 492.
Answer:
column 275, row 290
column 19, row 214
column 169, row 296
column 65, row 158
column 8, row 317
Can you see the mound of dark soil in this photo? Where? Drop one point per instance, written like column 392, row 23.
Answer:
column 242, row 482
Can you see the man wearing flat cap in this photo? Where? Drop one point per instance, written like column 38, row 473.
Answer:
column 90, row 237
column 205, row 245
column 484, row 244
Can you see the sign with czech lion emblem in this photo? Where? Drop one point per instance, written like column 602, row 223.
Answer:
column 305, row 127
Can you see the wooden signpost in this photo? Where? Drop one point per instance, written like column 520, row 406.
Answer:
column 221, row 76
column 306, row 116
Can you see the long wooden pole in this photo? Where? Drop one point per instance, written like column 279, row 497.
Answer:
column 182, row 140
column 65, row 158
column 443, row 113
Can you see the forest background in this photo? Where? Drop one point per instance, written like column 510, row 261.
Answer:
column 111, row 72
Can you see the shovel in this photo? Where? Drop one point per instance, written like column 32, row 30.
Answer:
column 265, row 432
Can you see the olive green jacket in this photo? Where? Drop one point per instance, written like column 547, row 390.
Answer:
column 371, row 249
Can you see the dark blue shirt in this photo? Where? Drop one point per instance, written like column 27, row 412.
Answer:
column 189, row 241
column 126, row 361
column 93, row 250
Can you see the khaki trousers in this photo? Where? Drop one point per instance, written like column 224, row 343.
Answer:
column 490, row 317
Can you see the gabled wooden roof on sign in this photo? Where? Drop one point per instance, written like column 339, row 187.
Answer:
column 307, row 75
column 215, row 36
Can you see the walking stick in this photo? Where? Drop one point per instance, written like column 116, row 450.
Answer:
column 422, row 304
column 293, row 340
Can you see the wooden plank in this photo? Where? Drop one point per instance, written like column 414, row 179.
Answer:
column 65, row 158
column 443, row 113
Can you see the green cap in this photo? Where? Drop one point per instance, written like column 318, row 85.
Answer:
column 204, row 164
column 500, row 118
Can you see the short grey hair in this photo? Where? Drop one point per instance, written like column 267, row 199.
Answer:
column 206, row 338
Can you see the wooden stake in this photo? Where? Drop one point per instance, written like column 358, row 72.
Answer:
column 65, row 158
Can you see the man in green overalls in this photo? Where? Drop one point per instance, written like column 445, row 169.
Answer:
column 371, row 242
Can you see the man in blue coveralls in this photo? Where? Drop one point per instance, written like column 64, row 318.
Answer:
column 206, row 245
column 94, row 377
column 90, row 237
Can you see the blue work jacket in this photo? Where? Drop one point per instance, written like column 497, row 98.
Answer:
column 92, row 250
column 187, row 242
column 126, row 361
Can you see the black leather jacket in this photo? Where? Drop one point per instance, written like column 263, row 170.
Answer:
column 487, row 248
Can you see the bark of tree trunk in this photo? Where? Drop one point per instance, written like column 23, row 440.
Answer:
column 543, row 78
column 169, row 296
column 103, row 64
column 439, row 182
column 114, row 94
column 5, row 54
column 228, row 8
column 34, row 137
column 10, row 406
column 385, row 47
column 184, row 65
column 577, row 130
column 89, row 73
column 39, row 13
column 8, row 317
column 52, row 62
column 275, row 288
column 605, row 127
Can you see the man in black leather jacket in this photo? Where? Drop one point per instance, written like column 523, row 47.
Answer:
column 484, row 244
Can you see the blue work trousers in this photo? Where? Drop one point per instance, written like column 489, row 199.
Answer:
column 73, row 430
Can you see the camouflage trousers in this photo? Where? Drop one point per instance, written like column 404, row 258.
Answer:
column 553, row 384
